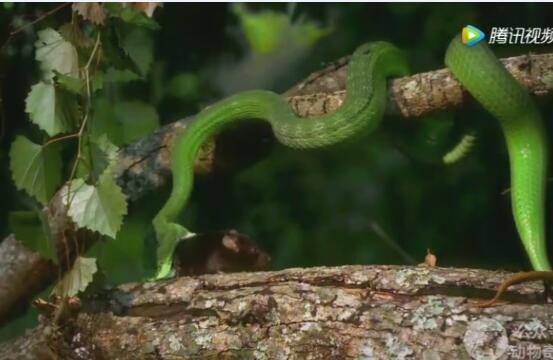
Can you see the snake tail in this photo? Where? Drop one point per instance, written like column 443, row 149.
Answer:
column 487, row 80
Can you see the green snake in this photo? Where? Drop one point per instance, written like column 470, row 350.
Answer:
column 476, row 67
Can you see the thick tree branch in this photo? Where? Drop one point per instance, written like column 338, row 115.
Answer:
column 376, row 312
column 144, row 166
column 416, row 95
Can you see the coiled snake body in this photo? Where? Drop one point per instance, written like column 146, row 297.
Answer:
column 362, row 111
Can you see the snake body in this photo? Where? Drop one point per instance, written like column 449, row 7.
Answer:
column 487, row 80
column 361, row 113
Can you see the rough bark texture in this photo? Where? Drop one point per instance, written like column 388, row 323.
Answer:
column 416, row 95
column 357, row 312
column 144, row 166
column 23, row 273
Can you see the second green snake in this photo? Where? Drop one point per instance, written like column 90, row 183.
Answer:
column 362, row 111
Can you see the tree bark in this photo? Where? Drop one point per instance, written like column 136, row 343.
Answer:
column 144, row 166
column 357, row 312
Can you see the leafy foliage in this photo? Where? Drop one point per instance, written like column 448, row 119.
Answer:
column 269, row 30
column 54, row 53
column 78, row 278
column 35, row 169
column 53, row 110
column 99, row 207
column 107, row 45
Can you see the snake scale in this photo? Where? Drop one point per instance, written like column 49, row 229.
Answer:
column 476, row 67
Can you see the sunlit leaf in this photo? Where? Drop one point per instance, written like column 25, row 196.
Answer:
column 99, row 207
column 267, row 31
column 78, row 278
column 53, row 52
column 35, row 169
column 263, row 30
column 53, row 110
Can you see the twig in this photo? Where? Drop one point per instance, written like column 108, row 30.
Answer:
column 87, row 107
column 38, row 19
column 61, row 138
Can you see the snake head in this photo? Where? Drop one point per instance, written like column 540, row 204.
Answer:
column 168, row 236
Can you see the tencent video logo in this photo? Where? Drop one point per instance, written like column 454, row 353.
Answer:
column 472, row 35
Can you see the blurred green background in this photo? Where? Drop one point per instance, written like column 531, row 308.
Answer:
column 365, row 203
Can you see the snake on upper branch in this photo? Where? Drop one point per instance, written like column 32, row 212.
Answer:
column 361, row 113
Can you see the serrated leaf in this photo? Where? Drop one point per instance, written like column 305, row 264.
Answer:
column 29, row 230
column 53, row 52
column 113, row 53
column 53, row 110
column 34, row 168
column 98, row 208
column 97, row 155
column 78, row 278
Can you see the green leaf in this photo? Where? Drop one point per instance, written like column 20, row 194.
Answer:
column 72, row 32
column 30, row 231
column 53, row 52
column 113, row 53
column 139, row 45
column 124, row 122
column 69, row 83
column 123, row 76
column 267, row 31
column 184, row 86
column 136, row 17
column 53, row 110
column 35, row 168
column 105, row 122
column 263, row 30
column 137, row 119
column 78, row 278
column 97, row 155
column 307, row 33
column 97, row 81
column 98, row 208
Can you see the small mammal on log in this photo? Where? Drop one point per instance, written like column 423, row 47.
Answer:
column 218, row 251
